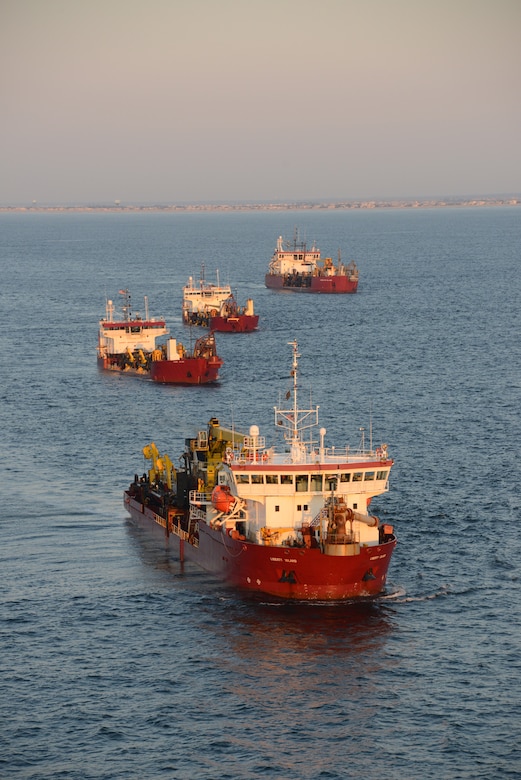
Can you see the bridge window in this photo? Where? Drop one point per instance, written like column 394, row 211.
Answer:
column 369, row 475
column 316, row 483
column 242, row 479
column 381, row 474
column 286, row 479
column 272, row 479
column 257, row 479
column 301, row 483
column 345, row 477
column 357, row 476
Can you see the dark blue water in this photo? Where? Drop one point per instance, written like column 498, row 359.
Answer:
column 117, row 662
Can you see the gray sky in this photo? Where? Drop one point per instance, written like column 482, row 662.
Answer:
column 173, row 101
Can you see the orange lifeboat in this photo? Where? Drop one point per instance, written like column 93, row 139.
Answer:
column 222, row 499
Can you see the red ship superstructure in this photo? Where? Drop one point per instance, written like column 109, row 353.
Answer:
column 214, row 306
column 297, row 268
column 128, row 345
column 289, row 522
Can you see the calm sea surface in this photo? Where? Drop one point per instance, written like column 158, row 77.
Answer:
column 116, row 661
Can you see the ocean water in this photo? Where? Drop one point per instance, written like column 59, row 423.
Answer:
column 119, row 662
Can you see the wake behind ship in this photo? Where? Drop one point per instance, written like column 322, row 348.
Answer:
column 289, row 522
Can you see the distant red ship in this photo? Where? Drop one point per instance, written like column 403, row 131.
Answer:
column 295, row 268
column 128, row 345
column 214, row 306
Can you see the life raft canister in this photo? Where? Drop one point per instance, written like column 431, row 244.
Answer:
column 222, row 499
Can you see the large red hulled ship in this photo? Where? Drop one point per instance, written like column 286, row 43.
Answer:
column 289, row 522
column 128, row 345
column 296, row 268
column 214, row 306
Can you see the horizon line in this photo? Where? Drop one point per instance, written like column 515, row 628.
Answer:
column 510, row 199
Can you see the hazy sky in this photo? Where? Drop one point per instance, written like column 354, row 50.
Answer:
column 175, row 101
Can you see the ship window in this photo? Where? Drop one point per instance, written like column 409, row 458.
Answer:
column 345, row 477
column 277, row 508
column 256, row 479
column 381, row 475
column 331, row 480
column 301, row 482
column 299, row 507
column 272, row 479
column 357, row 476
column 369, row 475
column 316, row 483
column 286, row 479
column 242, row 479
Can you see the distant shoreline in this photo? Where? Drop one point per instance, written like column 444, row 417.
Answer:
column 351, row 205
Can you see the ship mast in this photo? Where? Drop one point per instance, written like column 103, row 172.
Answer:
column 295, row 420
column 126, row 308
column 294, row 369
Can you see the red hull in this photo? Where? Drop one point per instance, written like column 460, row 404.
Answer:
column 242, row 323
column 188, row 371
column 191, row 371
column 285, row 572
column 319, row 284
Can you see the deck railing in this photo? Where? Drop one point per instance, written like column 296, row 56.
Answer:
column 330, row 455
column 200, row 498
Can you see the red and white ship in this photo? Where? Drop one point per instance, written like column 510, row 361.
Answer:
column 214, row 306
column 296, row 268
column 128, row 345
column 291, row 522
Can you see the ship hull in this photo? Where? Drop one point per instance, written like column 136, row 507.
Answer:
column 242, row 323
column 189, row 371
column 288, row 573
column 318, row 284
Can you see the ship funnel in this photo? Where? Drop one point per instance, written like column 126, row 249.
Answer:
column 171, row 350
